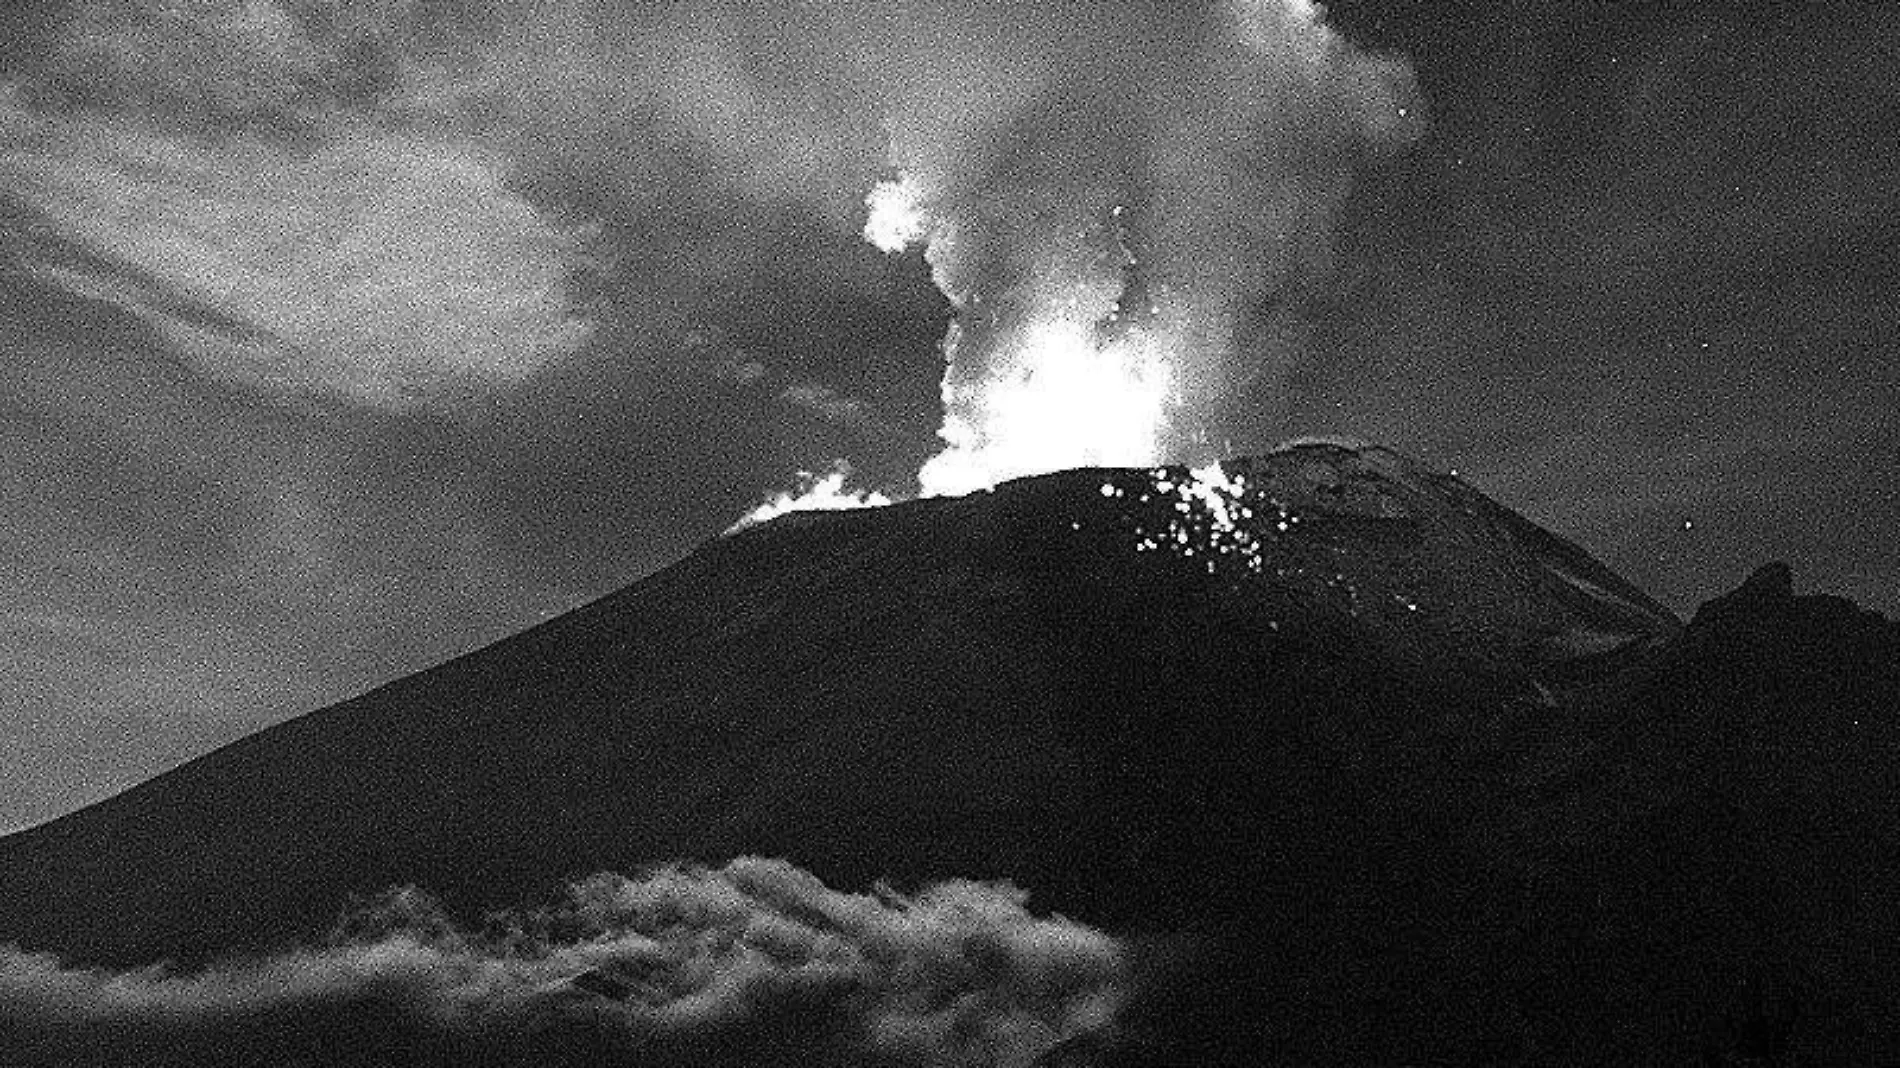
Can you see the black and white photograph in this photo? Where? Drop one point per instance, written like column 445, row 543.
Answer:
column 949, row 533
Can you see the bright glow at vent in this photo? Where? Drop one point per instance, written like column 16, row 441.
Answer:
column 895, row 217
column 1060, row 401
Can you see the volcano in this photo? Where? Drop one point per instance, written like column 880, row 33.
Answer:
column 1380, row 770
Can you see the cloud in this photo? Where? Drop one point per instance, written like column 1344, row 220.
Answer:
column 379, row 266
column 829, row 403
column 1129, row 246
column 754, row 962
column 365, row 198
column 399, row 325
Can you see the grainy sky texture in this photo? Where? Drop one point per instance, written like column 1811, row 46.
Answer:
column 342, row 338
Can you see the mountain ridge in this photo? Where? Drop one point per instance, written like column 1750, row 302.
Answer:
column 1346, row 705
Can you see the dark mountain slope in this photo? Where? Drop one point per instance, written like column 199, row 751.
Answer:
column 1419, row 779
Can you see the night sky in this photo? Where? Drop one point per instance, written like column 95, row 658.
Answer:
column 341, row 339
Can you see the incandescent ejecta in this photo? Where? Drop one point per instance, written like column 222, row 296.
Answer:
column 1126, row 252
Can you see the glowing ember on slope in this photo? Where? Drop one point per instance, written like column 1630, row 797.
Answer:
column 1210, row 516
column 1215, row 491
column 815, row 493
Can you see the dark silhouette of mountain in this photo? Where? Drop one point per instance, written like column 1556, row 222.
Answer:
column 1373, row 768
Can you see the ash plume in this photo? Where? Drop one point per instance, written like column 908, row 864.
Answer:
column 402, row 205
column 1127, row 250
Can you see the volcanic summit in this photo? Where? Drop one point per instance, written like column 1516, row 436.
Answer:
column 1382, row 771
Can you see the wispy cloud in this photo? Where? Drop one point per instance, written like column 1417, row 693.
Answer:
column 755, row 962
column 380, row 266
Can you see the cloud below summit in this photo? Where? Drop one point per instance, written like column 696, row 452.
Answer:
column 751, row 963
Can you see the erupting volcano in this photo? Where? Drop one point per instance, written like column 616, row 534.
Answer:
column 1361, row 766
column 1116, row 275
column 1097, row 693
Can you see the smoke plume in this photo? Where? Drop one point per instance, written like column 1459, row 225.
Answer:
column 1124, row 203
column 1128, row 250
column 756, row 962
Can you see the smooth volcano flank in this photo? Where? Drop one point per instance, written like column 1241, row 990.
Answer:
column 1358, row 765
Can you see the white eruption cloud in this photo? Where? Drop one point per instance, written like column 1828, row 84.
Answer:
column 1127, row 222
column 1126, row 204
column 753, row 963
column 1118, row 253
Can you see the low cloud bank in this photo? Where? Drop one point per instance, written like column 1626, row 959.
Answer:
column 757, row 962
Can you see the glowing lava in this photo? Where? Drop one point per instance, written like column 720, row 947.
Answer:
column 1059, row 399
column 895, row 218
column 815, row 493
column 1046, row 372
